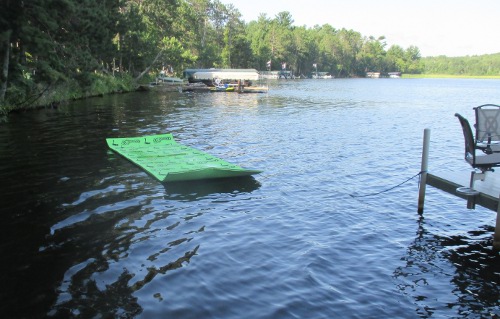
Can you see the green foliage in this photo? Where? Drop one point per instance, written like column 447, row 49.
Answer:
column 175, row 53
column 484, row 65
column 55, row 50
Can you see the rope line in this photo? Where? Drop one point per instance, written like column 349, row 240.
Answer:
column 389, row 189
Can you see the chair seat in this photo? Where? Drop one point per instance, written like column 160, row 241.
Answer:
column 494, row 146
column 486, row 160
column 482, row 161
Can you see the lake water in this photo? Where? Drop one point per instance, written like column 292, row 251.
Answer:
column 87, row 234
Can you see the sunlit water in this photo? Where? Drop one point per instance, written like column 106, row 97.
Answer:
column 86, row 234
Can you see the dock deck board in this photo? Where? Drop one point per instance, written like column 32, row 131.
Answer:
column 489, row 189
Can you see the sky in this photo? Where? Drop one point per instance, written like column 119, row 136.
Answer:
column 436, row 27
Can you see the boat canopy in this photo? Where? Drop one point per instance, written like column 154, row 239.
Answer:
column 202, row 75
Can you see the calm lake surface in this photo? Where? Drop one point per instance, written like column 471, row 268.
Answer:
column 87, row 234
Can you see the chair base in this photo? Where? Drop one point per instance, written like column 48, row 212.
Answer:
column 467, row 191
column 476, row 176
column 470, row 192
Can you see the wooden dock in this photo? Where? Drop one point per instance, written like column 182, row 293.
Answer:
column 175, row 87
column 254, row 89
column 485, row 192
column 489, row 189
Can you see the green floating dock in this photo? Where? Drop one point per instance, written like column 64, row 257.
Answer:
column 169, row 161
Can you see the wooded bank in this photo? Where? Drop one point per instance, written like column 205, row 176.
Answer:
column 53, row 50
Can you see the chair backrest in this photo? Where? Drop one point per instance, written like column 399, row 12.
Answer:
column 487, row 123
column 470, row 146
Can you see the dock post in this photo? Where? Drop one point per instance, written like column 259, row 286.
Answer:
column 423, row 170
column 496, row 236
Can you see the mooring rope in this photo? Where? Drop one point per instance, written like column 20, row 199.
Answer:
column 389, row 189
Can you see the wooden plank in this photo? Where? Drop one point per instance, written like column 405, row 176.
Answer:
column 488, row 189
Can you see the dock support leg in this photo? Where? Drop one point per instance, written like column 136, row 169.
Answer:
column 496, row 236
column 471, row 200
column 423, row 170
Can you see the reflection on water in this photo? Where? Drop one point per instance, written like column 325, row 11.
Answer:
column 159, row 235
column 468, row 262
column 193, row 190
column 89, row 235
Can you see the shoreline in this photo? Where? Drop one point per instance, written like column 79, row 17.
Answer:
column 53, row 103
column 450, row 76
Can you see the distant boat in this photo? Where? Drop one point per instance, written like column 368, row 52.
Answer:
column 322, row 75
column 208, row 76
column 373, row 75
column 254, row 89
column 383, row 75
column 226, row 80
column 168, row 79
column 222, row 88
column 283, row 74
column 164, row 81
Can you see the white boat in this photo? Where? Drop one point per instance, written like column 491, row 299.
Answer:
column 373, row 75
column 163, row 78
column 322, row 75
column 394, row 75
column 208, row 76
column 234, row 80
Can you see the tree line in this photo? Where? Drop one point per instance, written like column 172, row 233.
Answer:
column 62, row 49
column 484, row 65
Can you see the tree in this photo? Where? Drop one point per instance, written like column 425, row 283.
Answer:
column 327, row 41
column 350, row 43
column 396, row 59
column 10, row 24
column 257, row 36
column 32, row 50
column 236, row 52
column 372, row 55
column 73, row 43
column 280, row 37
column 412, row 58
column 305, row 50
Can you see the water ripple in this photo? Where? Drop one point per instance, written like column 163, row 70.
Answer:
column 88, row 234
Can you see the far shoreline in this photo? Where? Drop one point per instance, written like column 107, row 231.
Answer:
column 449, row 76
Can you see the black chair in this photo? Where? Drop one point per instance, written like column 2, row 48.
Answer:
column 483, row 162
column 487, row 128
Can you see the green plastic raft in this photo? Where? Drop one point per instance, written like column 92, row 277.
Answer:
column 169, row 161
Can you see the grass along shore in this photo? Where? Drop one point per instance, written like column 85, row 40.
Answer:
column 449, row 76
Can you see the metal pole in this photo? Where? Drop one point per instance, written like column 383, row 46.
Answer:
column 423, row 170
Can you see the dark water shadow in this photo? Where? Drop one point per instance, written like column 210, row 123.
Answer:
column 199, row 189
column 469, row 261
column 118, row 298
